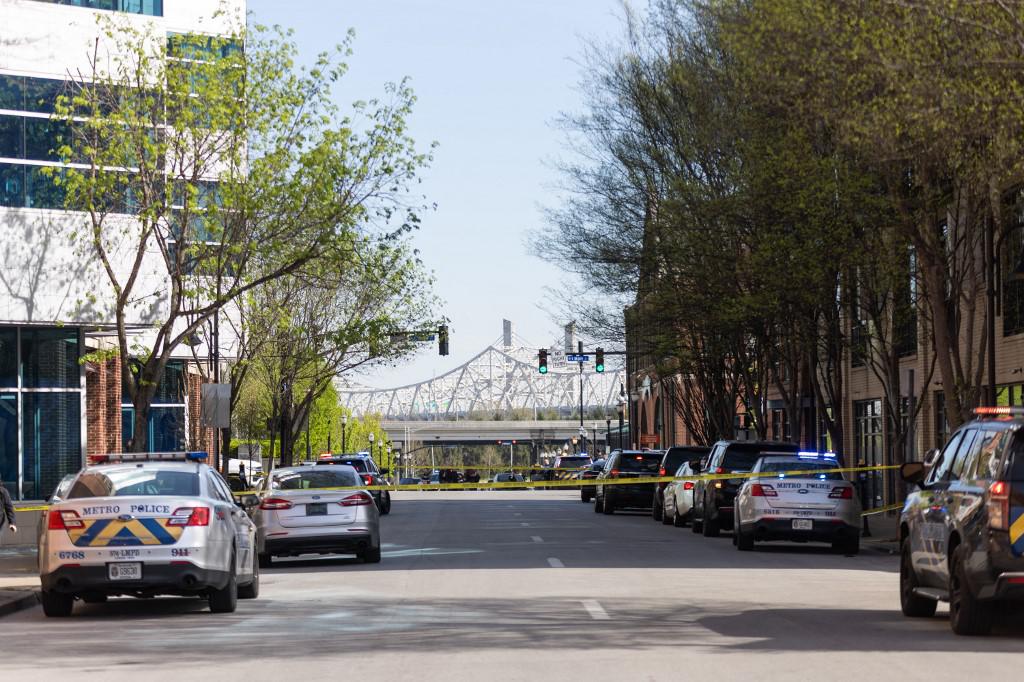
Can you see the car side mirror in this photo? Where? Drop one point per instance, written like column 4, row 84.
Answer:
column 913, row 472
column 248, row 501
column 931, row 456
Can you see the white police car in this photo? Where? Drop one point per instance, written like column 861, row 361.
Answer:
column 146, row 524
column 797, row 498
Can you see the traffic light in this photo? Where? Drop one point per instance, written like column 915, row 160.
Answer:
column 442, row 340
column 599, row 362
column 542, row 361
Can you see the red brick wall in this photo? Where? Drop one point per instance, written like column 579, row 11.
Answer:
column 103, row 407
column 199, row 438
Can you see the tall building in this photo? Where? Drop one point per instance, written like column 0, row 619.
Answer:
column 55, row 409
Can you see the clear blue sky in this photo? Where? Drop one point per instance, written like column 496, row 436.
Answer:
column 491, row 77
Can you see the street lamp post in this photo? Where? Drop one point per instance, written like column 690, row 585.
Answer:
column 622, row 410
column 370, row 437
column 344, row 423
column 607, row 435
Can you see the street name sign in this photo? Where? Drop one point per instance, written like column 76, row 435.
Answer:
column 574, row 357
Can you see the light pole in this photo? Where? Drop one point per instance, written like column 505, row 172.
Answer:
column 607, row 435
column 344, row 423
column 583, row 438
column 370, row 437
column 622, row 410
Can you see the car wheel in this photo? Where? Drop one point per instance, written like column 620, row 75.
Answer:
column 252, row 589
column 371, row 556
column 696, row 525
column 225, row 600
column 849, row 546
column 657, row 509
column 606, row 505
column 387, row 504
column 677, row 520
column 263, row 560
column 912, row 605
column 710, row 527
column 56, row 604
column 744, row 541
column 667, row 518
column 597, row 504
column 968, row 615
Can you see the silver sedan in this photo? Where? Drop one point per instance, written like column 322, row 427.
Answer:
column 678, row 498
column 315, row 510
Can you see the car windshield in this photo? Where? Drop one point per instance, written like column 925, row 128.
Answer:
column 313, row 478
column 640, row 461
column 357, row 463
column 135, row 480
column 574, row 462
column 818, row 469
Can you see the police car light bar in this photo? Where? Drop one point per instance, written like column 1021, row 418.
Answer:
column 816, row 455
column 190, row 456
column 1002, row 410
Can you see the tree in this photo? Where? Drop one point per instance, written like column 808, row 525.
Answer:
column 208, row 170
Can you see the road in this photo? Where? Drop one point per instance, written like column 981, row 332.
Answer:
column 526, row 586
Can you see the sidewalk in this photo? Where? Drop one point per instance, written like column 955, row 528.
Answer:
column 19, row 579
column 884, row 533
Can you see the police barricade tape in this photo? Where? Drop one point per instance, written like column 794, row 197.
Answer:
column 569, row 483
column 882, row 510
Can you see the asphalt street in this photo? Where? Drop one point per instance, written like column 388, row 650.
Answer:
column 527, row 586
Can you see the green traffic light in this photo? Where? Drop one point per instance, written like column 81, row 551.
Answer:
column 543, row 369
column 599, row 368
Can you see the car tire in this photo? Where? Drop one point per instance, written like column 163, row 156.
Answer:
column 696, row 525
column 912, row 605
column 56, row 604
column 677, row 520
column 849, row 546
column 666, row 518
column 371, row 556
column 710, row 527
column 607, row 508
column 657, row 510
column 264, row 560
column 251, row 590
column 968, row 615
column 744, row 541
column 225, row 600
column 597, row 504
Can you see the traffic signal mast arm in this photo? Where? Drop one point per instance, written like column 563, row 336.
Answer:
column 427, row 335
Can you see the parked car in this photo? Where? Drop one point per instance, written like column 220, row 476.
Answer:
column 674, row 458
column 962, row 529
column 143, row 524
column 408, row 481
column 509, row 478
column 799, row 498
column 713, row 499
column 298, row 512
column 626, row 464
column 677, row 506
column 369, row 471
column 589, row 474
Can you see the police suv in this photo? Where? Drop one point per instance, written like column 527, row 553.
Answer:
column 798, row 498
column 962, row 529
column 143, row 524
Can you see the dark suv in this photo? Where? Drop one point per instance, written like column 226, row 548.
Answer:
column 962, row 529
column 367, row 468
column 713, row 499
column 674, row 458
column 626, row 464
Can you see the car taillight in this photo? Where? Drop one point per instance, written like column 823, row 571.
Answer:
column 272, row 503
column 841, row 493
column 190, row 516
column 615, row 473
column 356, row 500
column 760, row 490
column 63, row 520
column 719, row 470
column 368, row 479
column 688, row 485
column 661, row 471
column 998, row 505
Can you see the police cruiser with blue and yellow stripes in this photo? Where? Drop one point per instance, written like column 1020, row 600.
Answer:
column 962, row 529
column 146, row 524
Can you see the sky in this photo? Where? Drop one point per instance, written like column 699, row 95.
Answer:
column 491, row 78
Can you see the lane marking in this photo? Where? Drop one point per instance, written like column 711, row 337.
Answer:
column 517, row 514
column 524, row 524
column 555, row 563
column 595, row 609
column 536, row 538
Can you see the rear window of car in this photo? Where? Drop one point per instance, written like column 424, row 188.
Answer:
column 675, row 457
column 574, row 462
column 313, row 478
column 744, row 457
column 356, row 463
column 640, row 461
column 135, row 480
column 818, row 469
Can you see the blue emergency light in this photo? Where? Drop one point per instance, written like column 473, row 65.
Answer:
column 816, row 455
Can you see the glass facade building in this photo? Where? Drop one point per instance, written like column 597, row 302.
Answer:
column 42, row 394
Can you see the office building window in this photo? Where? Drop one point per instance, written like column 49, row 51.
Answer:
column 166, row 428
column 51, row 440
column 867, row 424
column 49, row 358
column 150, row 8
column 9, row 442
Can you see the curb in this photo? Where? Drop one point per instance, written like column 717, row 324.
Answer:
column 30, row 599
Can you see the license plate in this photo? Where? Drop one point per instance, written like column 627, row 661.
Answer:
column 124, row 571
column 316, row 509
column 803, row 524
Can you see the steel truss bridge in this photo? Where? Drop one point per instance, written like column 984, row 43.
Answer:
column 500, row 380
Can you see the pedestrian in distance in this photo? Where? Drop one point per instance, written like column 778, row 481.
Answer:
column 6, row 510
column 241, row 476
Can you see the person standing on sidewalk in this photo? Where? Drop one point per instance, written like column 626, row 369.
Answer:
column 6, row 510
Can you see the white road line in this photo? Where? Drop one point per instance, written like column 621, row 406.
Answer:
column 517, row 514
column 524, row 524
column 536, row 538
column 555, row 563
column 595, row 609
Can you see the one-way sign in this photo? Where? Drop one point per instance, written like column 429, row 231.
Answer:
column 573, row 357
